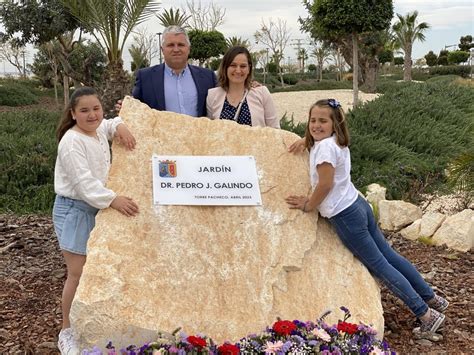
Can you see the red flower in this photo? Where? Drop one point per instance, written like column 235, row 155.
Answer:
column 283, row 327
column 348, row 328
column 196, row 341
column 228, row 349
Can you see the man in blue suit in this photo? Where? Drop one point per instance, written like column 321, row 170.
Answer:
column 175, row 85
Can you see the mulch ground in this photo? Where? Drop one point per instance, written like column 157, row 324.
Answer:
column 32, row 274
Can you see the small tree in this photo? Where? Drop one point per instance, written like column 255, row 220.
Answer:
column 407, row 31
column 302, row 57
column 139, row 57
column 171, row 17
column 443, row 57
column 321, row 53
column 206, row 44
column 334, row 18
column 456, row 57
column 465, row 43
column 12, row 53
column 111, row 22
column 204, row 18
column 237, row 41
column 431, row 59
column 386, row 56
column 398, row 60
column 275, row 35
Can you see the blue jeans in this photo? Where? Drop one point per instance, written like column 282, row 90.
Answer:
column 358, row 231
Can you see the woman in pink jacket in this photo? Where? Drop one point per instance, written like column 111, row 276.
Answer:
column 235, row 99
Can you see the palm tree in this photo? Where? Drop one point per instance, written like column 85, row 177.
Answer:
column 302, row 57
column 111, row 22
column 321, row 54
column 139, row 57
column 407, row 31
column 237, row 41
column 173, row 18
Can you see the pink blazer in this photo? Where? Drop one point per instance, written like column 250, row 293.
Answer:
column 259, row 100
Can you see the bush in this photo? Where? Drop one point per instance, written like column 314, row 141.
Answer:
column 288, row 124
column 16, row 94
column 28, row 152
column 315, row 85
column 290, row 79
column 405, row 139
column 461, row 70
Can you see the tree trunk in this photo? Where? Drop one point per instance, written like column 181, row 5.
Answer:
column 117, row 85
column 371, row 71
column 407, row 63
column 66, row 89
column 355, row 70
column 281, row 75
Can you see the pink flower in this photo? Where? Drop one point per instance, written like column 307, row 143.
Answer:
column 321, row 334
column 272, row 348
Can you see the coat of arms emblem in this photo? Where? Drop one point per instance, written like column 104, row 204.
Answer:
column 167, row 168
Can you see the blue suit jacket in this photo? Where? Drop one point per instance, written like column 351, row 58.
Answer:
column 150, row 86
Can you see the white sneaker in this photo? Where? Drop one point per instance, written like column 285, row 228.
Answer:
column 66, row 342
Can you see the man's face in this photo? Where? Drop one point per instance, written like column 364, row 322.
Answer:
column 175, row 50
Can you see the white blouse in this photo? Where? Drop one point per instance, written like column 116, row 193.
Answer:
column 82, row 165
column 343, row 193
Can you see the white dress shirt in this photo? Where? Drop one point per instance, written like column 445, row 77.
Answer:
column 82, row 165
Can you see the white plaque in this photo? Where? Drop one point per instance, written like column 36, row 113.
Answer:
column 205, row 180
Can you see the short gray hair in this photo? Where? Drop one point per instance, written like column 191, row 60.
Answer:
column 176, row 30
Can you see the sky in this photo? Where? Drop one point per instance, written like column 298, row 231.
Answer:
column 448, row 20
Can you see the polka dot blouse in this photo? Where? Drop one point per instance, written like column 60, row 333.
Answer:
column 228, row 113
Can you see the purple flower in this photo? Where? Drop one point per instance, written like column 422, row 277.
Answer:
column 286, row 346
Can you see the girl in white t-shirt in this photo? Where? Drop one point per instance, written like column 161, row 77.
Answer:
column 336, row 198
column 80, row 174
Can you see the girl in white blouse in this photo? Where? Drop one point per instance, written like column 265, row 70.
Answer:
column 80, row 174
column 336, row 198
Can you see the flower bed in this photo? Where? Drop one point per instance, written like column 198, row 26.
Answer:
column 284, row 337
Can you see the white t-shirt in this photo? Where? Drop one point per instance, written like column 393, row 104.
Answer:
column 82, row 165
column 343, row 193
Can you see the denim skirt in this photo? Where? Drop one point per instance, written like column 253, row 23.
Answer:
column 73, row 222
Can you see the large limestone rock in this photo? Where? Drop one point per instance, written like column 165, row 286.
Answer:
column 457, row 231
column 222, row 271
column 375, row 194
column 430, row 223
column 394, row 215
column 412, row 232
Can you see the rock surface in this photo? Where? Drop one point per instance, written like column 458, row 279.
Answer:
column 394, row 215
column 430, row 222
column 457, row 231
column 375, row 193
column 224, row 271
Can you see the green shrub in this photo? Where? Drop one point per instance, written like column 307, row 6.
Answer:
column 461, row 70
column 288, row 124
column 405, row 139
column 290, row 79
column 321, row 85
column 15, row 94
column 27, row 155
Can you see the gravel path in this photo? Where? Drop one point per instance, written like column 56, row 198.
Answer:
column 297, row 103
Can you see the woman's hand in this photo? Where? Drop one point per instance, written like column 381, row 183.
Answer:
column 298, row 146
column 125, row 205
column 298, row 202
column 125, row 136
